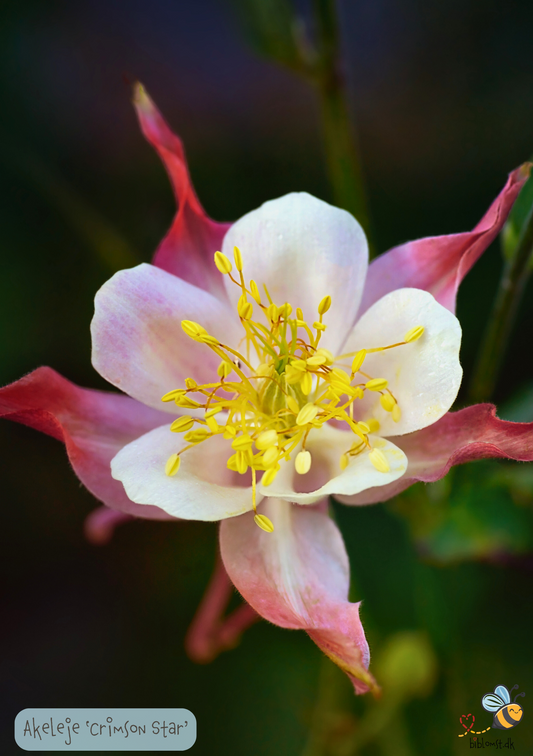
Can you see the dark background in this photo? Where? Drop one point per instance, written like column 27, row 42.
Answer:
column 444, row 102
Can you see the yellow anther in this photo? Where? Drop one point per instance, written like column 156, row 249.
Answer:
column 231, row 464
column 373, row 425
column 187, row 402
column 171, row 395
column 299, row 313
column 377, row 384
column 207, row 339
column 302, row 463
column 358, row 360
column 241, row 462
column 363, row 426
column 212, row 424
column 197, row 436
column 270, row 457
column 255, row 292
column 273, row 313
column 396, row 413
column 223, row 263
column 182, row 424
column 293, row 405
column 172, row 465
column 244, row 308
column 339, row 375
column 286, row 310
column 413, row 334
column 229, row 432
column 344, row 461
column 224, row 369
column 238, row 258
column 191, row 383
column 269, row 476
column 324, row 305
column 266, row 439
column 330, row 359
column 193, row 330
column 264, row 523
column 307, row 414
column 306, row 384
column 263, row 369
column 379, row 460
column 387, row 402
column 317, row 359
column 242, row 443
column 319, row 326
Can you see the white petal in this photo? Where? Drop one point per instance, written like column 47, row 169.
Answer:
column 201, row 490
column 304, row 249
column 326, row 478
column 424, row 376
column 138, row 342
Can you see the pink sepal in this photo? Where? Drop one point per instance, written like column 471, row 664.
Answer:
column 298, row 577
column 94, row 426
column 210, row 632
column 188, row 248
column 458, row 437
column 438, row 264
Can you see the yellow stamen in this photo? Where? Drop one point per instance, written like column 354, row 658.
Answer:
column 283, row 388
column 307, row 414
column 387, row 402
column 172, row 465
column 379, row 460
column 224, row 369
column 223, row 263
column 269, row 476
column 358, row 361
column 302, row 463
column 324, row 305
column 267, row 439
column 182, row 424
column 377, row 384
column 193, row 330
column 264, row 523
column 413, row 334
column 238, row 258
column 170, row 396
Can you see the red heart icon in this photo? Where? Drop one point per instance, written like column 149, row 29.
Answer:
column 466, row 717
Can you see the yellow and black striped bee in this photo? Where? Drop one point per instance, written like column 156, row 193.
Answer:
column 507, row 714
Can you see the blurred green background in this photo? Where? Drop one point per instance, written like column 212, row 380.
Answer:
column 443, row 97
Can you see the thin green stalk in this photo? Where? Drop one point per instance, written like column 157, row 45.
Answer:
column 510, row 291
column 342, row 154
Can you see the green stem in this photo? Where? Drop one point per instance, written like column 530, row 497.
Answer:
column 342, row 154
column 331, row 713
column 508, row 298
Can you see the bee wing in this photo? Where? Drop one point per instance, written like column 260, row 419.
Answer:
column 492, row 702
column 502, row 691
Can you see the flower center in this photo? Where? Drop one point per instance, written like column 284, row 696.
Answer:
column 284, row 387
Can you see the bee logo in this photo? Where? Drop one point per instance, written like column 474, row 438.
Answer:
column 506, row 714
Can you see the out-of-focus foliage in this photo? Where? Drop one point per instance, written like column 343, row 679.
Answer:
column 273, row 29
column 480, row 511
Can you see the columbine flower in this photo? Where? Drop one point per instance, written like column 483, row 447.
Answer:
column 296, row 373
